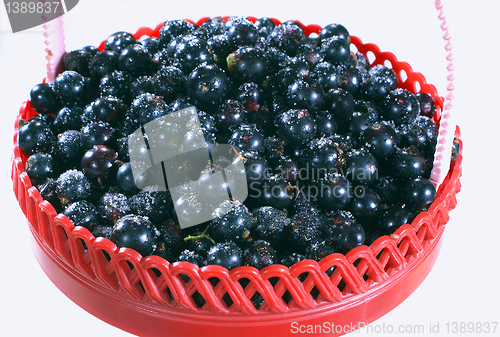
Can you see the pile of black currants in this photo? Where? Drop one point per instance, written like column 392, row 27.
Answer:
column 336, row 155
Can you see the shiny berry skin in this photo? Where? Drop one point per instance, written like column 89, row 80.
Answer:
column 375, row 88
column 173, row 28
column 68, row 119
column 329, row 76
column 82, row 213
column 297, row 126
column 71, row 88
column 68, row 148
column 97, row 133
column 264, row 26
column 361, row 168
column 226, row 254
column 198, row 242
column 335, row 50
column 235, row 225
column 392, row 219
column 151, row 44
column 113, row 206
column 119, row 41
column 107, row 109
column 136, row 232
column 43, row 99
column 320, row 156
column 189, row 52
column 147, row 107
column 289, row 169
column 248, row 64
column 103, row 63
column 115, row 84
column 135, row 61
column 141, row 85
column 291, row 259
column 250, row 94
column 287, row 38
column 207, row 85
column 274, row 149
column 98, row 164
column 359, row 123
column 352, row 235
column 277, row 193
column 211, row 27
column 407, row 164
column 340, row 104
column 125, row 180
column 271, row 224
column 151, row 203
column 427, row 104
column 220, row 48
column 73, row 186
column 400, row 106
column 365, row 203
column 168, row 82
column 385, row 73
column 334, row 192
column 380, row 139
column 335, row 30
column 247, row 138
column 327, row 125
column 260, row 255
column 232, row 114
column 39, row 167
column 354, row 80
column 305, row 94
column 191, row 257
column 419, row 192
column 78, row 60
column 242, row 33
column 36, row 136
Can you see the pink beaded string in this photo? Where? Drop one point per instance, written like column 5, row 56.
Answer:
column 446, row 131
column 54, row 40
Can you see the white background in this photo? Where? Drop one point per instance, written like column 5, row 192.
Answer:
column 462, row 287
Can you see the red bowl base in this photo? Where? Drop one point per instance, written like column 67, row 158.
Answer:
column 148, row 322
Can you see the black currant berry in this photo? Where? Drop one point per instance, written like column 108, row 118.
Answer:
column 73, row 186
column 400, row 106
column 71, row 88
column 36, row 136
column 40, row 167
column 98, row 164
column 226, row 254
column 305, row 94
column 260, row 255
column 43, row 99
column 420, row 192
column 248, row 64
column 207, row 86
column 297, row 126
column 136, row 232
column 119, row 41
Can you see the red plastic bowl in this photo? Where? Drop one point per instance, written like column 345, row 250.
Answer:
column 147, row 296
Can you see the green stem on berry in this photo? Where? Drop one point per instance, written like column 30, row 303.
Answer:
column 203, row 235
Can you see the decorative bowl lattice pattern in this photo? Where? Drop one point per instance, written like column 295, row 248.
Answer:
column 212, row 290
